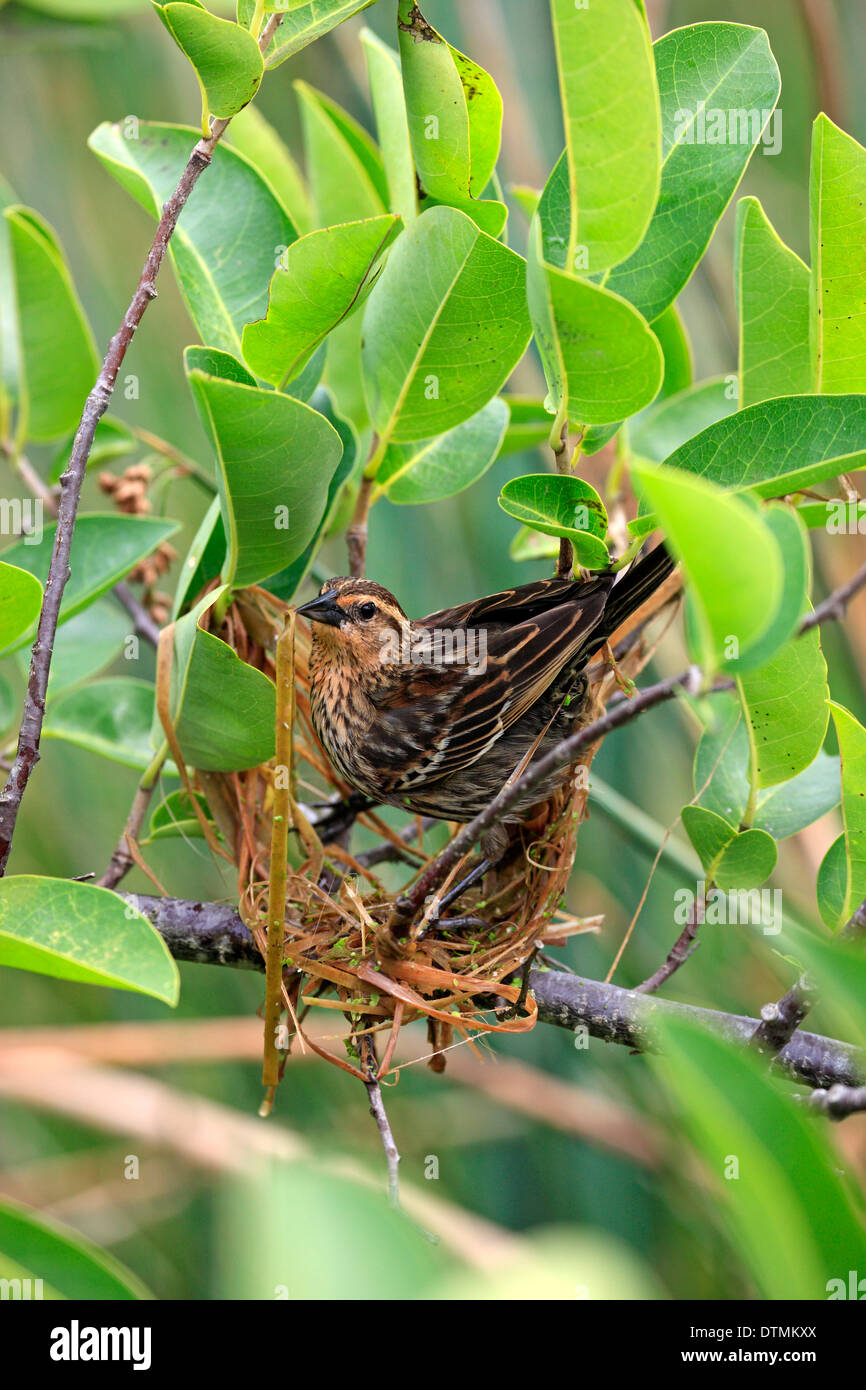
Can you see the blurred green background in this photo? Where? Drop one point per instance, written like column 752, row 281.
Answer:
column 607, row 1161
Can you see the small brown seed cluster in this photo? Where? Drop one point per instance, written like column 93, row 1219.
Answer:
column 129, row 494
column 129, row 491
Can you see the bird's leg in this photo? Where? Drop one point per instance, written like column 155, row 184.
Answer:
column 460, row 888
column 340, row 816
column 493, row 846
column 518, row 1007
column 624, row 683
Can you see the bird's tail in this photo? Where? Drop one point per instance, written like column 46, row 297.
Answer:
column 639, row 582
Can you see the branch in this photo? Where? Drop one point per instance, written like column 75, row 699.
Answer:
column 72, row 478
column 779, row 1022
column 839, row 1101
column 834, row 606
column 559, row 756
column 144, row 624
column 213, row 933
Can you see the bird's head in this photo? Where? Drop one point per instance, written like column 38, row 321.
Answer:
column 355, row 618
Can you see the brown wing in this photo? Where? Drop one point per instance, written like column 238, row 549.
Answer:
column 516, row 605
column 452, row 715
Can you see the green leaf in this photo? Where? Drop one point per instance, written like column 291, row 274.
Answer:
column 286, row 582
column 392, row 126
column 205, row 558
column 786, row 526
column 454, row 113
column 232, row 232
column 561, row 506
column 113, row 440
column 76, row 931
column 837, row 200
column 612, row 128
column 223, row 710
column 443, row 328
column 225, row 56
column 776, row 447
column 526, row 198
column 10, row 364
column 734, row 861
column 554, row 215
column 256, row 138
column 785, row 809
column 788, row 1214
column 601, row 360
column 773, row 305
column 57, row 361
column 348, row 183
column 831, row 885
column 676, row 350
column 175, row 818
column 529, row 424
column 105, row 548
column 70, row 1264
column 701, row 69
column 662, row 428
column 785, row 703
column 111, row 718
column 302, row 23
column 344, row 167
column 731, row 557
column 327, row 276
column 852, row 751
column 722, row 766
column 276, row 457
column 532, row 545
column 20, row 602
column 837, row 516
column 439, row 467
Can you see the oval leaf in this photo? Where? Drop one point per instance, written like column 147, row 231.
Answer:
column 76, row 931
column 443, row 328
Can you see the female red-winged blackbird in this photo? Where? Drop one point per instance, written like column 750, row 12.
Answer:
column 435, row 715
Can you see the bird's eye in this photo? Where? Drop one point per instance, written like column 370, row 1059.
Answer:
column 367, row 611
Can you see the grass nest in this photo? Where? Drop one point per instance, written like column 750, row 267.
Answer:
column 322, row 917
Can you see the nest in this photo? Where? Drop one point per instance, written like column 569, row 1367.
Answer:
column 466, row 973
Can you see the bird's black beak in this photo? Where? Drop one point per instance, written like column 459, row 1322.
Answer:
column 323, row 609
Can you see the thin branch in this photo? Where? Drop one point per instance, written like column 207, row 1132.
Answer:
column 559, row 756
column 626, row 1017
column 834, row 606
column 380, row 1115
column 684, row 946
column 356, row 535
column 839, row 1101
column 377, row 1110
column 780, row 1021
column 122, row 859
column 565, row 563
column 72, row 478
column 144, row 624
column 213, row 933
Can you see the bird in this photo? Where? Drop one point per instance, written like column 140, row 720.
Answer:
column 435, row 715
